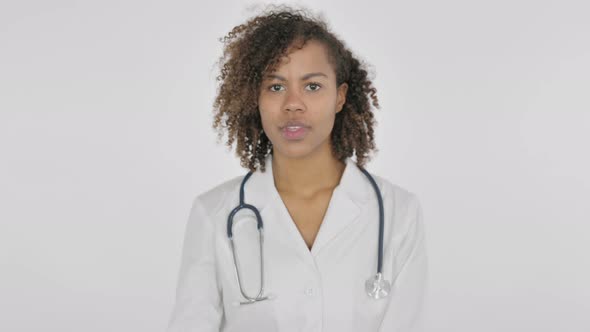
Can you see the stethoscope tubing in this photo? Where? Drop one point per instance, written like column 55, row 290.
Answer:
column 381, row 220
column 260, row 227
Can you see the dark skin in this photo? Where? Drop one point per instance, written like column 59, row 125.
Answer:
column 305, row 171
column 254, row 50
column 307, row 206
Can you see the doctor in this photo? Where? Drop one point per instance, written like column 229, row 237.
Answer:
column 306, row 258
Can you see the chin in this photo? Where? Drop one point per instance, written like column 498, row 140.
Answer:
column 293, row 151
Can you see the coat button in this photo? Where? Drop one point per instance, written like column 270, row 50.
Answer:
column 309, row 291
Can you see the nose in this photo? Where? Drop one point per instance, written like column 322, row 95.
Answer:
column 293, row 102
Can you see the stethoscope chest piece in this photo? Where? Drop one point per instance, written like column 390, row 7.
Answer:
column 377, row 287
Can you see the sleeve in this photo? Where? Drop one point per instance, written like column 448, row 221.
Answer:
column 405, row 311
column 198, row 304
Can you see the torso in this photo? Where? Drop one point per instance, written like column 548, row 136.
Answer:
column 308, row 213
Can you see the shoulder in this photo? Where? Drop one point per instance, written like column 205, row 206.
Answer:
column 402, row 208
column 403, row 200
column 214, row 198
column 393, row 190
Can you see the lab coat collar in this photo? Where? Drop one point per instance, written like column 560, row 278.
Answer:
column 345, row 205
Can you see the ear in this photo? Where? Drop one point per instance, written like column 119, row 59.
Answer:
column 341, row 98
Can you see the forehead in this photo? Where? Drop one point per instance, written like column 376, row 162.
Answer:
column 313, row 56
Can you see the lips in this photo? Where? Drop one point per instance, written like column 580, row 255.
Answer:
column 294, row 124
column 294, row 130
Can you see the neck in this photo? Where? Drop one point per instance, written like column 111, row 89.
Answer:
column 305, row 177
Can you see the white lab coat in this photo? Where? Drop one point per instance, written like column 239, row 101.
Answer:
column 318, row 290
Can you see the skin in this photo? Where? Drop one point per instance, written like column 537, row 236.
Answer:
column 304, row 169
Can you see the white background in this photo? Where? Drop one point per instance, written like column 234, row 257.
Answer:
column 105, row 138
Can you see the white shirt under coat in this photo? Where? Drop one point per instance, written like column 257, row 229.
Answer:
column 312, row 291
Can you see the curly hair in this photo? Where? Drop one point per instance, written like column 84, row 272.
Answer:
column 253, row 49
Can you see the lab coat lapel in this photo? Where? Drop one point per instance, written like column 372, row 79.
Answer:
column 278, row 224
column 343, row 210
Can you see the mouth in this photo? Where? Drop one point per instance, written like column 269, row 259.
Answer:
column 294, row 133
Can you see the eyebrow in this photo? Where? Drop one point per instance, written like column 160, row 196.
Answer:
column 303, row 78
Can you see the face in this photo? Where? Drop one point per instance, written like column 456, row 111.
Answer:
column 298, row 102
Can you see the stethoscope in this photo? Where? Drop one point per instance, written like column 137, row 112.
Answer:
column 376, row 287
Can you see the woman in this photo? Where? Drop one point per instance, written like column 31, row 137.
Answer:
column 296, row 101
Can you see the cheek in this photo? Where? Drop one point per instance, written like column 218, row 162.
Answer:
column 328, row 119
column 269, row 122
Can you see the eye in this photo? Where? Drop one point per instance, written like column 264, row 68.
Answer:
column 277, row 87
column 316, row 85
column 274, row 85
